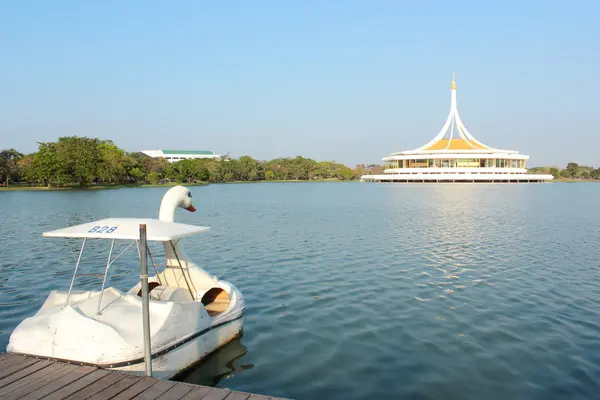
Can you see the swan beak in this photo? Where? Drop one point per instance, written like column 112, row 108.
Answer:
column 191, row 208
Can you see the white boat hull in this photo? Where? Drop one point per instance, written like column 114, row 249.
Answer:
column 183, row 357
column 182, row 331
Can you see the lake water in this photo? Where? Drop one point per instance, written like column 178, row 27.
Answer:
column 358, row 290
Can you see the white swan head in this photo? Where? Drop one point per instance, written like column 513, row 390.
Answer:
column 176, row 197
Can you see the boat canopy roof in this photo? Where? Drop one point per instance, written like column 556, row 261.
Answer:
column 128, row 229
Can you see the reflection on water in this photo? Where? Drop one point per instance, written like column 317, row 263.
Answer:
column 357, row 291
column 220, row 365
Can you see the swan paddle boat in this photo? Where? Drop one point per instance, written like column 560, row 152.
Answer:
column 192, row 313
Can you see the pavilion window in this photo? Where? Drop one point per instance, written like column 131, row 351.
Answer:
column 467, row 162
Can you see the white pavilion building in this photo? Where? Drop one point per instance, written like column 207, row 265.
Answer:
column 454, row 155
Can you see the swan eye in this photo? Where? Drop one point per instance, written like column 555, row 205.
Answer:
column 190, row 195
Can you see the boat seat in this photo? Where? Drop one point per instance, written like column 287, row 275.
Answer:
column 216, row 307
column 170, row 293
column 215, row 301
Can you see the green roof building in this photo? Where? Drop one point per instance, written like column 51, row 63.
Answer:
column 177, row 155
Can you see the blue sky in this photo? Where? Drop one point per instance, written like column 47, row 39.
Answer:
column 332, row 80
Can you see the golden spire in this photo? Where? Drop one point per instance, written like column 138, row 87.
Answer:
column 453, row 82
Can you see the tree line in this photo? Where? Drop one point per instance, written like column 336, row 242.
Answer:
column 571, row 171
column 83, row 162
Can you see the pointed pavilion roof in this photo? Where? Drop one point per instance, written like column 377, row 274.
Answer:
column 454, row 136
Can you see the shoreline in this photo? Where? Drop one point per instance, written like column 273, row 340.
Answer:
column 25, row 188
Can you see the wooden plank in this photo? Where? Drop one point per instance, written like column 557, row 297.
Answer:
column 24, row 372
column 78, row 385
column 116, row 388
column 16, row 365
column 10, row 356
column 111, row 379
column 141, row 385
column 217, row 394
column 29, row 378
column 60, row 382
column 32, row 378
column 177, row 392
column 155, row 390
column 5, row 357
column 51, row 373
column 198, row 393
column 259, row 397
column 238, row 396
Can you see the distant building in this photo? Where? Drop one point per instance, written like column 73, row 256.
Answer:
column 454, row 155
column 177, row 155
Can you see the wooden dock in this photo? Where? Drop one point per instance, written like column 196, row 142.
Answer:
column 32, row 378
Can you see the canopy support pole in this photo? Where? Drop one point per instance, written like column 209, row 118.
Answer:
column 145, row 299
column 154, row 265
column 183, row 272
column 75, row 272
column 108, row 262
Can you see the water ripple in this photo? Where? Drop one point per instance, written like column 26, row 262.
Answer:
column 363, row 291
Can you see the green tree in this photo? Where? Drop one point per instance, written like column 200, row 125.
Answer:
column 45, row 168
column 572, row 170
column 227, row 170
column 189, row 170
column 555, row 172
column 25, row 168
column 158, row 164
column 79, row 158
column 134, row 168
column 154, row 177
column 323, row 170
column 250, row 169
column 344, row 173
column 585, row 175
column 9, row 166
column 111, row 167
column 85, row 161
